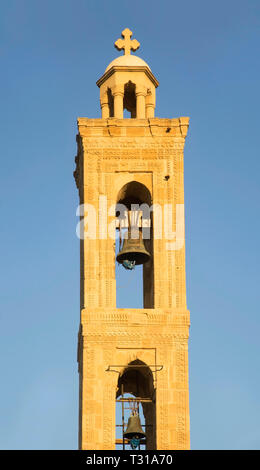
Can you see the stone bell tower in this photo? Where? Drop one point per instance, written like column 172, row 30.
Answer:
column 141, row 351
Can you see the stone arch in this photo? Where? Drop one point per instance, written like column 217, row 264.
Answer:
column 135, row 192
column 137, row 379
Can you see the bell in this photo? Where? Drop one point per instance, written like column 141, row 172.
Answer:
column 133, row 250
column 134, row 428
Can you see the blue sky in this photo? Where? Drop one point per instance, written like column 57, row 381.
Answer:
column 205, row 55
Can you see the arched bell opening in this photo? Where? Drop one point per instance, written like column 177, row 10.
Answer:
column 110, row 102
column 129, row 101
column 134, row 247
column 136, row 391
column 134, row 192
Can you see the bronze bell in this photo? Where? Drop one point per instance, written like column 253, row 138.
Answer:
column 134, row 428
column 133, row 250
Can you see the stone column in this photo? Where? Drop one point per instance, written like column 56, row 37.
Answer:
column 149, row 105
column 104, row 106
column 118, row 93
column 140, row 102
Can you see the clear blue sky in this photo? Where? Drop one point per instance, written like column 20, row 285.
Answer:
column 205, row 55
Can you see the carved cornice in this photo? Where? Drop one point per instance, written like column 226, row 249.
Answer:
column 128, row 69
column 132, row 336
column 174, row 318
column 166, row 130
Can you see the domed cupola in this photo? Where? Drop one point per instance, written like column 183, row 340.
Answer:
column 128, row 83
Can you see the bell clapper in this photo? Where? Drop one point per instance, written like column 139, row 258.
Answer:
column 130, row 265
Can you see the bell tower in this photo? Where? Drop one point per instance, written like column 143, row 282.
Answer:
column 129, row 174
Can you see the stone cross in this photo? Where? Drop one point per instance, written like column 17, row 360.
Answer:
column 127, row 43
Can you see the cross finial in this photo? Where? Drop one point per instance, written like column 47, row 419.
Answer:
column 127, row 43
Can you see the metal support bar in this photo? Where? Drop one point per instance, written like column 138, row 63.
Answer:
column 123, row 415
column 143, row 425
column 135, row 366
column 128, row 400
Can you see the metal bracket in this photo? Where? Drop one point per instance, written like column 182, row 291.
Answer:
column 157, row 368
